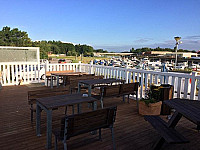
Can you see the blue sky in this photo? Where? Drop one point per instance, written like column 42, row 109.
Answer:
column 115, row 25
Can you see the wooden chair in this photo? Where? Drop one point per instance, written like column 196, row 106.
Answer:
column 86, row 122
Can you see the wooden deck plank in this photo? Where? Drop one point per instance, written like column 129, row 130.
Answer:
column 131, row 130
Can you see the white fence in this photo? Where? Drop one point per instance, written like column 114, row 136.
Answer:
column 13, row 73
column 62, row 67
column 185, row 85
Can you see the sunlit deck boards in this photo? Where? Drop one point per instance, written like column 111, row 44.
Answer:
column 131, row 130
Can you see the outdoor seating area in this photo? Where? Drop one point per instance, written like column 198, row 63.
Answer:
column 131, row 131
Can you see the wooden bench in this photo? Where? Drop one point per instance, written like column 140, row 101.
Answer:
column 167, row 133
column 66, row 79
column 129, row 88
column 86, row 122
column 33, row 95
column 48, row 74
column 117, row 91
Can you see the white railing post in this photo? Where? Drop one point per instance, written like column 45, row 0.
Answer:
column 126, row 73
column 46, row 69
column 39, row 73
column 101, row 70
column 193, row 86
column 79, row 66
column 141, row 85
column 91, row 68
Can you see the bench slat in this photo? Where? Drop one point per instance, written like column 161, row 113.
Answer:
column 169, row 134
column 130, row 88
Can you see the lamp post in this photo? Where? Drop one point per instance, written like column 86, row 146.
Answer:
column 176, row 47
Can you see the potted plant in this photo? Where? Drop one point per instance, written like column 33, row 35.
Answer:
column 150, row 105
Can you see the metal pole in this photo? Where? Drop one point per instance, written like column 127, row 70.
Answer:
column 176, row 54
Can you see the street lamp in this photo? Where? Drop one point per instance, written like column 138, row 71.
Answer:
column 176, row 47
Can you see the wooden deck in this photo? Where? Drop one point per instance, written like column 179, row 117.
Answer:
column 131, row 130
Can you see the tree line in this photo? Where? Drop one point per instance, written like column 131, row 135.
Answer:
column 16, row 37
column 139, row 51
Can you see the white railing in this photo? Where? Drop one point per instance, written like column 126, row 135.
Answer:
column 15, row 72
column 63, row 67
column 185, row 85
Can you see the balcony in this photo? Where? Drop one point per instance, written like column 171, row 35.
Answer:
column 131, row 130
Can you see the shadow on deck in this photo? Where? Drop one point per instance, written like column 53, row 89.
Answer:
column 131, row 130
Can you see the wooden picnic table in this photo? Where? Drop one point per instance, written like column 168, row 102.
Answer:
column 64, row 74
column 190, row 109
column 97, row 83
column 49, row 103
column 183, row 107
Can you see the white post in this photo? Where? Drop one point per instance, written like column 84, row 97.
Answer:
column 193, row 86
column 39, row 73
column 79, row 66
column 91, row 67
column 38, row 63
column 126, row 73
column 46, row 69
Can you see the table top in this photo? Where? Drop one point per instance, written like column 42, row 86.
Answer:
column 63, row 100
column 68, row 73
column 100, row 81
column 188, row 108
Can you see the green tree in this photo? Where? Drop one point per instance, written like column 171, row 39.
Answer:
column 45, row 47
column 132, row 50
column 54, row 48
column 14, row 37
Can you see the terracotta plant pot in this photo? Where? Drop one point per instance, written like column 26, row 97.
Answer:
column 150, row 109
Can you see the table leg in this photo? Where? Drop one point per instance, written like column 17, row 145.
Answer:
column 38, row 119
column 57, row 77
column 123, row 98
column 89, row 90
column 198, row 127
column 158, row 144
column 95, row 105
column 49, row 128
column 174, row 119
column 94, row 108
column 89, row 95
column 79, row 108
column 101, row 100
column 171, row 123
column 79, row 87
column 137, row 101
column 51, row 81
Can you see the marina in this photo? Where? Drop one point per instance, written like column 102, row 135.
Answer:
column 100, row 75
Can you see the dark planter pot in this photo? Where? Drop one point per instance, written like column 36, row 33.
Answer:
column 166, row 93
